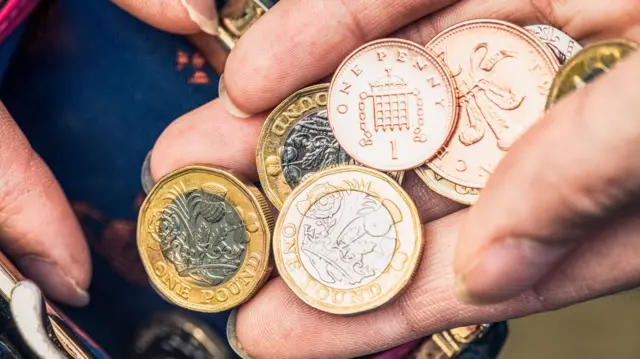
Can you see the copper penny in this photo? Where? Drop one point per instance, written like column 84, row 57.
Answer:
column 392, row 105
column 503, row 74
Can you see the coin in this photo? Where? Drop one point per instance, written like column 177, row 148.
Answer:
column 449, row 343
column 204, row 237
column 588, row 64
column 446, row 188
column 177, row 335
column 392, row 105
column 348, row 240
column 562, row 45
column 296, row 141
column 503, row 74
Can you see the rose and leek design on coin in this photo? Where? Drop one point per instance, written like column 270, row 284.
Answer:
column 392, row 105
column 343, row 245
column 204, row 243
column 503, row 79
column 297, row 141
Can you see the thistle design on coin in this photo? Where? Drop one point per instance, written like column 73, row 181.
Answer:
column 203, row 235
column 392, row 105
column 297, row 141
column 348, row 240
column 588, row 64
column 562, row 45
column 496, row 106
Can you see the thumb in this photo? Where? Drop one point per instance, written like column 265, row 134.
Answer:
column 566, row 179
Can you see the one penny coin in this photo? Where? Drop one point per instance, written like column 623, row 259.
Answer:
column 392, row 105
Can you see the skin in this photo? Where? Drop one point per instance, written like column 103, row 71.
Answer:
column 556, row 224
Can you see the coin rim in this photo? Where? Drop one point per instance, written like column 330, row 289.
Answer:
column 276, row 197
column 499, row 24
column 266, row 222
column 552, row 98
column 441, row 68
column 443, row 189
column 414, row 260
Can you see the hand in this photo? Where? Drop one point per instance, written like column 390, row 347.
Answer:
column 555, row 225
column 40, row 232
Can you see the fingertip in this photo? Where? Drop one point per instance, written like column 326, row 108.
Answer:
column 232, row 336
column 55, row 282
column 228, row 103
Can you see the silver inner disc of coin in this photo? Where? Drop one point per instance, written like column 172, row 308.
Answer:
column 347, row 239
column 203, row 236
column 310, row 147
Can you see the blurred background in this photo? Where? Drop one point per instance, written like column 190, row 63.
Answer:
column 604, row 328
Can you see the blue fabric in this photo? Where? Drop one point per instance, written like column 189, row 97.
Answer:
column 93, row 88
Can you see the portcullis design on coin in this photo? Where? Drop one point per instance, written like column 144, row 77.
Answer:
column 296, row 141
column 203, row 235
column 348, row 240
column 503, row 74
column 392, row 105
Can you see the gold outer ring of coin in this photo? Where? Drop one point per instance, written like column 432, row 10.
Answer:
column 386, row 284
column 570, row 76
column 446, row 188
column 251, row 208
column 274, row 134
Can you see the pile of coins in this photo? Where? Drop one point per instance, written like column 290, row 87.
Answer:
column 331, row 158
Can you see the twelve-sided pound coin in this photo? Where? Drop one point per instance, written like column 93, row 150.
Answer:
column 348, row 240
column 204, row 238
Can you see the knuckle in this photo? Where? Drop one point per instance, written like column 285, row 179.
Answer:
column 546, row 10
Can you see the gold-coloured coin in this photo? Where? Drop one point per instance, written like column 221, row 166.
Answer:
column 446, row 188
column 237, row 17
column 204, row 238
column 449, row 344
column 587, row 65
column 348, row 240
column 297, row 141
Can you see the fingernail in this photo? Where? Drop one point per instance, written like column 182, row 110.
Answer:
column 505, row 269
column 232, row 337
column 53, row 281
column 224, row 97
column 203, row 13
column 145, row 174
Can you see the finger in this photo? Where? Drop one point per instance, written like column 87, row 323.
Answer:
column 175, row 16
column 282, row 53
column 208, row 135
column 39, row 231
column 429, row 305
column 570, row 175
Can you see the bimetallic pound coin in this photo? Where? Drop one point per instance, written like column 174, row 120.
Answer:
column 348, row 240
column 204, row 237
column 392, row 105
column 175, row 335
column 296, row 141
column 503, row 74
column 562, row 45
column 588, row 64
column 446, row 188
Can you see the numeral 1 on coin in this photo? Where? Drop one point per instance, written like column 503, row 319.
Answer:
column 394, row 154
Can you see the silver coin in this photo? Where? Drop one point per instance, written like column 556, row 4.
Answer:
column 145, row 174
column 562, row 45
